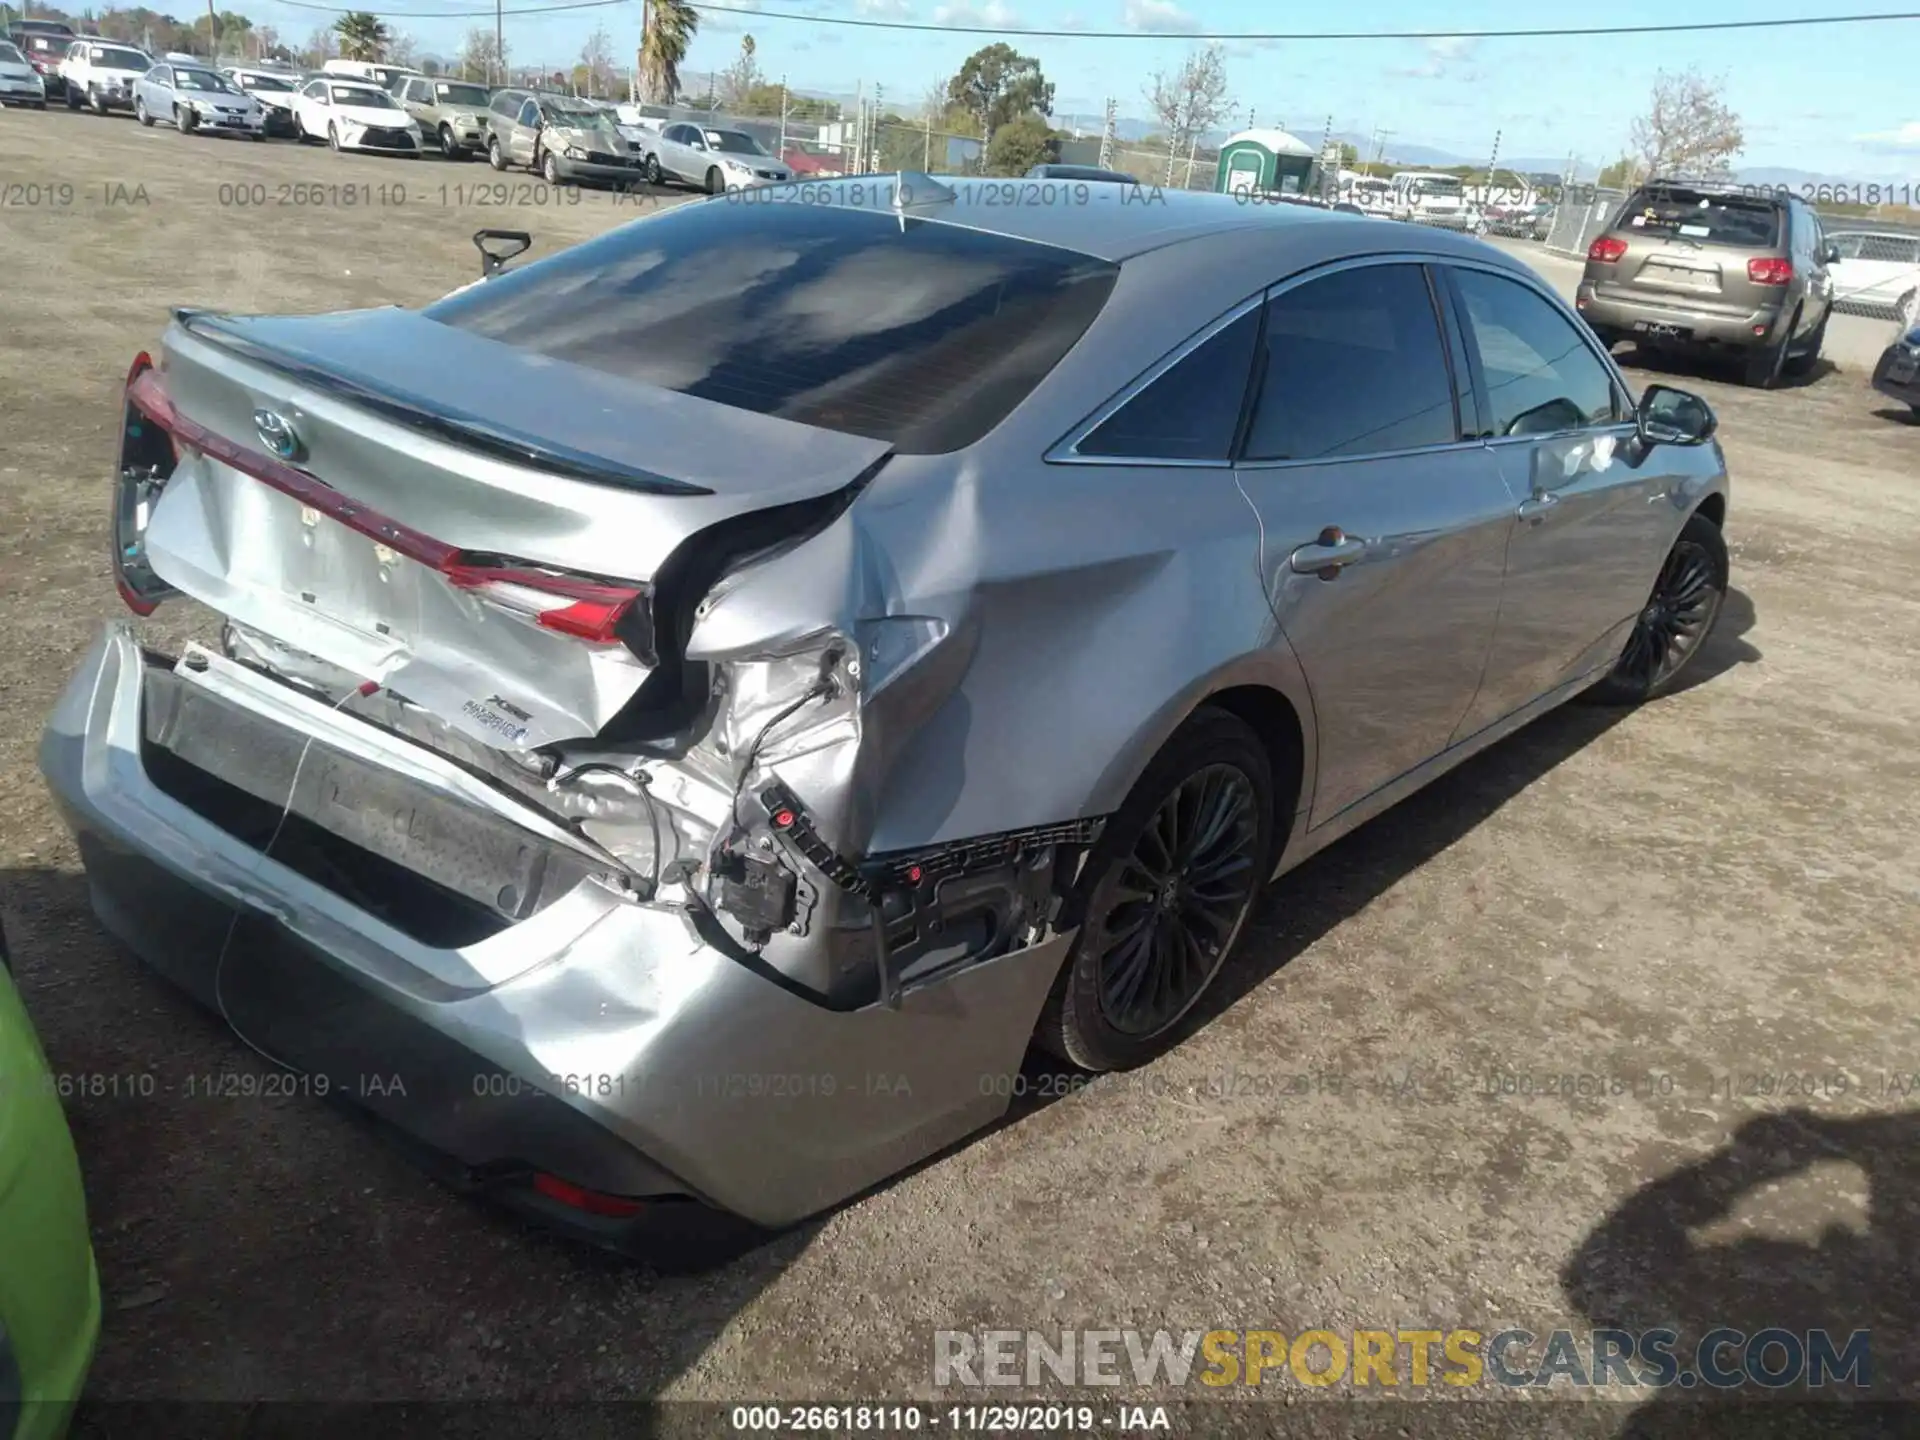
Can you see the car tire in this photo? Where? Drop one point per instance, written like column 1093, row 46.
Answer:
column 1906, row 310
column 449, row 147
column 73, row 98
column 140, row 111
column 97, row 101
column 1802, row 364
column 333, row 136
column 495, row 156
column 652, row 170
column 39, row 104
column 1676, row 622
column 550, row 170
column 183, row 120
column 1149, row 947
column 300, row 136
column 1765, row 366
column 716, row 182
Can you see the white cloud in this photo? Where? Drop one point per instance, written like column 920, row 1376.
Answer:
column 1906, row 137
column 1444, row 54
column 1160, row 17
column 993, row 15
column 892, row 9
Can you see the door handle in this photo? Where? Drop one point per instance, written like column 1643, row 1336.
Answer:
column 1328, row 555
column 1536, row 506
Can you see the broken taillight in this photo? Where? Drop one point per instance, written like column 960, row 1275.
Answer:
column 600, row 611
column 147, row 459
column 1770, row 270
column 1607, row 249
column 585, row 609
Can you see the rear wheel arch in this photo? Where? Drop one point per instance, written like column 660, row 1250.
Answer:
column 1272, row 716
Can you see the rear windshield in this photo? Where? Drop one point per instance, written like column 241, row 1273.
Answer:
column 1695, row 215
column 921, row 334
column 122, row 60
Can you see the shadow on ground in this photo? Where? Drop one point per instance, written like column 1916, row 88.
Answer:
column 1649, row 1266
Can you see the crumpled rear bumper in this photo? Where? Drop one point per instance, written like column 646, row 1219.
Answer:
column 598, row 1040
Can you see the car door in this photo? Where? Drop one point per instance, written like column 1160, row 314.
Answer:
column 670, row 150
column 415, row 98
column 1810, row 258
column 1383, row 523
column 152, row 90
column 524, row 133
column 311, row 107
column 1591, row 523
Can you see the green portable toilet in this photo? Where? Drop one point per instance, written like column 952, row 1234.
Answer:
column 1269, row 161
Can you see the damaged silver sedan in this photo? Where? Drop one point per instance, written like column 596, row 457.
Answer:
column 690, row 711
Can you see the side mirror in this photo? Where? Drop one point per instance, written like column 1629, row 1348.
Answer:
column 497, row 247
column 1666, row 416
column 1831, row 255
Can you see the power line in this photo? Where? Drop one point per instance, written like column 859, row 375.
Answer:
column 1298, row 36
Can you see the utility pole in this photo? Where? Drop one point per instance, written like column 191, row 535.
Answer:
column 499, row 37
column 1107, row 134
column 926, row 158
column 213, row 34
column 873, row 136
column 783, row 114
column 1490, row 163
column 1173, row 140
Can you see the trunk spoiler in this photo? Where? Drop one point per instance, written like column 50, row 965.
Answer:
column 470, row 432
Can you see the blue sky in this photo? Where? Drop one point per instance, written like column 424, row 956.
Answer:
column 1839, row 100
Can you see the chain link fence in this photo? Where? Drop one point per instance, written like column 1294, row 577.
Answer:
column 1583, row 213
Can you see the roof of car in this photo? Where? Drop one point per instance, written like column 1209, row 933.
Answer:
column 1120, row 221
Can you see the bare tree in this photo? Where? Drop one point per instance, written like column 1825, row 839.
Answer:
column 1688, row 128
column 322, row 46
column 742, row 76
column 1189, row 101
column 401, row 49
column 596, row 58
column 480, row 58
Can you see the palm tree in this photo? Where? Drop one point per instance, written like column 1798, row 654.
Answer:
column 363, row 35
column 669, row 28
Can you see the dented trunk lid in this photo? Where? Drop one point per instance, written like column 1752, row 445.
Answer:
column 397, row 497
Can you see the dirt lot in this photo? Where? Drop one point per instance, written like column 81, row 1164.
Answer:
column 1704, row 912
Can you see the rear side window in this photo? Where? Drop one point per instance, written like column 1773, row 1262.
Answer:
column 1189, row 412
column 1717, row 219
column 921, row 334
column 1354, row 366
column 1541, row 377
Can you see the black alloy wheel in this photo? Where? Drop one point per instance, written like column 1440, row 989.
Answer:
column 1164, row 896
column 1674, row 624
column 1179, row 901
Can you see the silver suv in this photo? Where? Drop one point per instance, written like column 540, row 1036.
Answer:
column 1733, row 269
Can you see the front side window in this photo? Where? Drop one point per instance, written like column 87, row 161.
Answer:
column 921, row 334
column 1190, row 411
column 363, row 97
column 1541, row 376
column 1354, row 365
column 530, row 113
column 121, row 60
column 160, row 75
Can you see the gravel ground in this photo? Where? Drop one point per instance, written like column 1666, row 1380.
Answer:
column 1703, row 911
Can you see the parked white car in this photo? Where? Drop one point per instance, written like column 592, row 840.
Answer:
column 716, row 160
column 100, row 74
column 274, row 89
column 20, row 83
column 382, row 76
column 1878, row 270
column 353, row 115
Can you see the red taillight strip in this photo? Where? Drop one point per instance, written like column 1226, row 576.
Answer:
column 145, row 391
column 150, row 396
